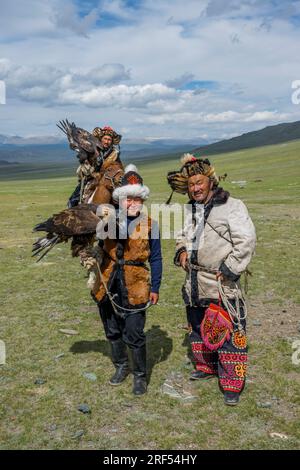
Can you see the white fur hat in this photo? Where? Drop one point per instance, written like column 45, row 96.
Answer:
column 131, row 185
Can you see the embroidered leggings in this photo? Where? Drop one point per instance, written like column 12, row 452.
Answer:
column 229, row 362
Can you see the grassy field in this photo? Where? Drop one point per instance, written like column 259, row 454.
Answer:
column 37, row 300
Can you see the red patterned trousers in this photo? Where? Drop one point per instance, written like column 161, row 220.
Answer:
column 229, row 362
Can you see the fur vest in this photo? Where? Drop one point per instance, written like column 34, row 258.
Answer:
column 126, row 259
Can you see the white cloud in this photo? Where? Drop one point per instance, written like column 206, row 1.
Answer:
column 118, row 8
column 36, row 93
column 214, row 118
column 133, row 66
column 180, row 81
column 66, row 16
column 108, row 73
column 19, row 19
column 120, row 96
column 5, row 67
column 47, row 83
column 219, row 7
column 252, row 8
column 38, row 18
column 266, row 116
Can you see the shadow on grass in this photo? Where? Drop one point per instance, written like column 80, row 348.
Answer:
column 159, row 347
column 99, row 345
column 187, row 344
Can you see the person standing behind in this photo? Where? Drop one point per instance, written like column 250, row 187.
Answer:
column 108, row 149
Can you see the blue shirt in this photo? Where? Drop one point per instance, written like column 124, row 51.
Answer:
column 155, row 257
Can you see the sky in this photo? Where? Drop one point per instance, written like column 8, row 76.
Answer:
column 173, row 69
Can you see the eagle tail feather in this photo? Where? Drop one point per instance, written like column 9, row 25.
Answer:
column 42, row 246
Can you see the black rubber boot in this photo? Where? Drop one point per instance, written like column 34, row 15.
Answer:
column 139, row 371
column 231, row 398
column 199, row 375
column 120, row 360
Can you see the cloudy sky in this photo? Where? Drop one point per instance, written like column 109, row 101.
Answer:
column 169, row 68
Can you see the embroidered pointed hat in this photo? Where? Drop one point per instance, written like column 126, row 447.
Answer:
column 131, row 185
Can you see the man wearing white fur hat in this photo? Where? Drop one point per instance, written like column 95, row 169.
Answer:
column 124, row 287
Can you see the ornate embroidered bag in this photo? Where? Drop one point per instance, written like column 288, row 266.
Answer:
column 216, row 327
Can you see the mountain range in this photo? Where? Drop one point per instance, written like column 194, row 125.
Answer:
column 56, row 150
column 51, row 149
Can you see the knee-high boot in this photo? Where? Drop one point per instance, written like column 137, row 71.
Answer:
column 139, row 371
column 120, row 360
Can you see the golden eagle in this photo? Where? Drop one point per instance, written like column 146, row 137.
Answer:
column 83, row 142
column 78, row 223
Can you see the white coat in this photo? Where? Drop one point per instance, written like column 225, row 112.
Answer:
column 226, row 244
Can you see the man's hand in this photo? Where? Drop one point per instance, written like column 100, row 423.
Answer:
column 104, row 211
column 89, row 263
column 89, row 257
column 220, row 276
column 183, row 260
column 153, row 298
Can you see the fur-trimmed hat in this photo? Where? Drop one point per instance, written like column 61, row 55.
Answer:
column 191, row 165
column 131, row 185
column 99, row 132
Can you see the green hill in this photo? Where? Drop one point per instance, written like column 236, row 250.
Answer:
column 270, row 135
column 46, row 161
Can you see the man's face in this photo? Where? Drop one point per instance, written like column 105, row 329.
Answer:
column 199, row 187
column 106, row 141
column 133, row 205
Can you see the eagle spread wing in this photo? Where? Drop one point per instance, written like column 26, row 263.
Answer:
column 79, row 223
column 80, row 140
